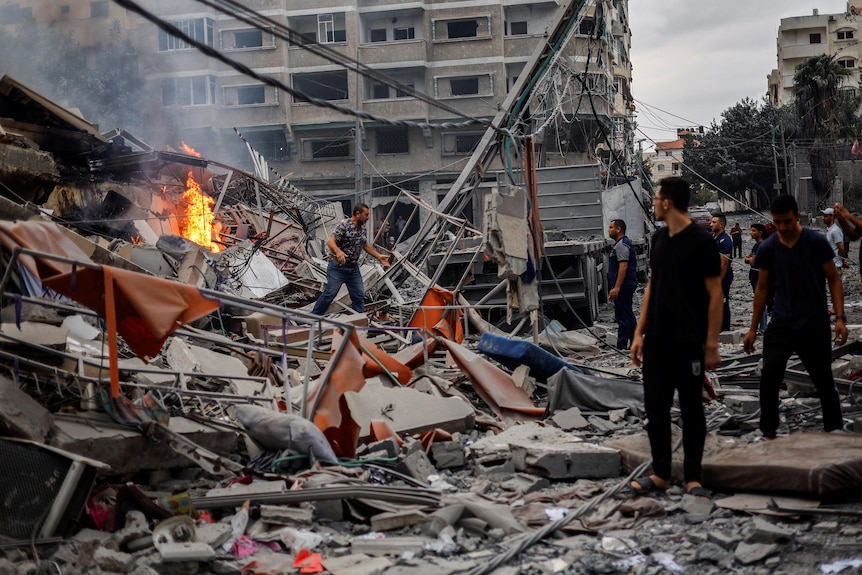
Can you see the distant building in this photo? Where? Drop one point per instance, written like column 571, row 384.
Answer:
column 803, row 37
column 666, row 160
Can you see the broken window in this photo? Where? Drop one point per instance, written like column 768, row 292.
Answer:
column 459, row 86
column 200, row 29
column 326, row 149
column 272, row 144
column 517, row 28
column 321, row 85
column 247, row 95
column 814, row 38
column 845, row 35
column 248, row 39
column 459, row 143
column 378, row 35
column 327, row 30
column 99, row 9
column 189, row 91
column 379, row 91
column 464, row 86
column 393, row 141
column 479, row 27
column 586, row 27
column 462, row 29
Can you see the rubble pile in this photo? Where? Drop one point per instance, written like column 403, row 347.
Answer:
column 168, row 404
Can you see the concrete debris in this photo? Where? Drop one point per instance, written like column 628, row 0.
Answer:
column 239, row 433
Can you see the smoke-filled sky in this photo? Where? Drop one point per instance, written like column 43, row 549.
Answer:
column 693, row 59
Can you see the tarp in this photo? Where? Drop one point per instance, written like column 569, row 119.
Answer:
column 567, row 388
column 515, row 352
column 143, row 309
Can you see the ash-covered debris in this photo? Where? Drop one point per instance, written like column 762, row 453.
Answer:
column 169, row 404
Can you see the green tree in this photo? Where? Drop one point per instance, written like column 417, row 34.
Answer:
column 736, row 153
column 816, row 87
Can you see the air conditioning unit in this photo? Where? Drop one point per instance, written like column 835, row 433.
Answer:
column 832, row 18
column 44, row 489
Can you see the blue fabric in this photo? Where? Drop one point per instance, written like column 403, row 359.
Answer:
column 515, row 352
column 623, row 249
column 626, row 320
column 797, row 279
column 336, row 276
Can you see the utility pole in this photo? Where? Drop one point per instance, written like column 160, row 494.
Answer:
column 777, row 185
column 784, row 155
column 357, row 139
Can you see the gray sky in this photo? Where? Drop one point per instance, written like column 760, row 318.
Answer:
column 696, row 58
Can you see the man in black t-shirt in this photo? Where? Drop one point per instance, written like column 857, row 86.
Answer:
column 795, row 264
column 676, row 339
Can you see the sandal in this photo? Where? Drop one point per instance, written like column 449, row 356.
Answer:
column 647, row 485
column 700, row 491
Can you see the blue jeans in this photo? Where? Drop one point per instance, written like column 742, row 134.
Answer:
column 336, row 276
column 626, row 320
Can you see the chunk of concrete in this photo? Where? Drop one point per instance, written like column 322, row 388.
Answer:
column 550, row 452
column 569, row 419
column 33, row 333
column 22, row 415
column 388, row 521
column 389, row 546
column 356, row 564
column 763, row 531
column 417, row 465
column 408, row 411
column 114, row 561
column 448, row 454
column 742, row 404
column 748, row 553
column 284, row 515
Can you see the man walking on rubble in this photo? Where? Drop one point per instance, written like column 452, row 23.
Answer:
column 676, row 338
column 795, row 264
column 725, row 248
column 623, row 277
column 347, row 243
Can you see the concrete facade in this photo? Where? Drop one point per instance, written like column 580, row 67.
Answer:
column 463, row 54
column 803, row 37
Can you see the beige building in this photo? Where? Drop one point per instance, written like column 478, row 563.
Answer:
column 462, row 54
column 802, row 37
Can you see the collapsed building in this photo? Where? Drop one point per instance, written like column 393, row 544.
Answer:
column 157, row 344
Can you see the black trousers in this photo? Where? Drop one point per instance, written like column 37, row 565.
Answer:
column 670, row 367
column 814, row 347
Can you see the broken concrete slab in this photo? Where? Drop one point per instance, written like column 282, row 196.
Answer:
column 408, row 411
column 388, row 521
column 21, row 415
column 356, row 564
column 33, row 333
column 550, row 452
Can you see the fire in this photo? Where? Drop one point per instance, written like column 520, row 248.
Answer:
column 189, row 150
column 198, row 225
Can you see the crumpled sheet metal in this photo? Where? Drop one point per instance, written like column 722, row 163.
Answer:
column 415, row 355
column 372, row 367
column 332, row 416
column 496, row 387
column 148, row 309
column 439, row 320
column 809, row 463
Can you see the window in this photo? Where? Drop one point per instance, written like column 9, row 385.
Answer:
column 845, row 35
column 674, row 167
column 322, row 85
column 814, row 38
column 404, row 33
column 200, row 29
column 517, row 28
column 248, row 95
column 379, row 91
column 847, row 63
column 327, row 32
column 248, row 39
column 660, row 167
column 271, row 143
column 399, row 93
column 460, row 143
column 190, row 91
column 462, row 29
column 378, row 35
column 99, row 9
column 64, row 9
column 393, row 141
column 586, row 26
column 328, row 149
column 464, row 86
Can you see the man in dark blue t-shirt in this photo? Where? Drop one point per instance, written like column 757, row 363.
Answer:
column 725, row 248
column 623, row 279
column 795, row 264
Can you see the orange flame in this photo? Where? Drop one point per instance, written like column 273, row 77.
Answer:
column 198, row 225
column 189, row 150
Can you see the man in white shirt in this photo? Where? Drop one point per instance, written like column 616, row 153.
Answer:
column 835, row 236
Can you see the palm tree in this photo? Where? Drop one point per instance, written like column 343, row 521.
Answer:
column 816, row 84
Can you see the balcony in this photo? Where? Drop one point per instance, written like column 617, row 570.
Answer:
column 396, row 108
column 803, row 51
column 388, row 52
column 300, row 58
column 520, row 46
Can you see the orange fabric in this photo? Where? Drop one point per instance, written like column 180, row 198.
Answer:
column 438, row 321
column 148, row 309
column 332, row 416
column 496, row 387
column 308, row 562
column 371, row 369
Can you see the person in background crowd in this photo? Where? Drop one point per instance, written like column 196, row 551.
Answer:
column 736, row 238
column 725, row 248
column 622, row 276
column 758, row 234
column 835, row 236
